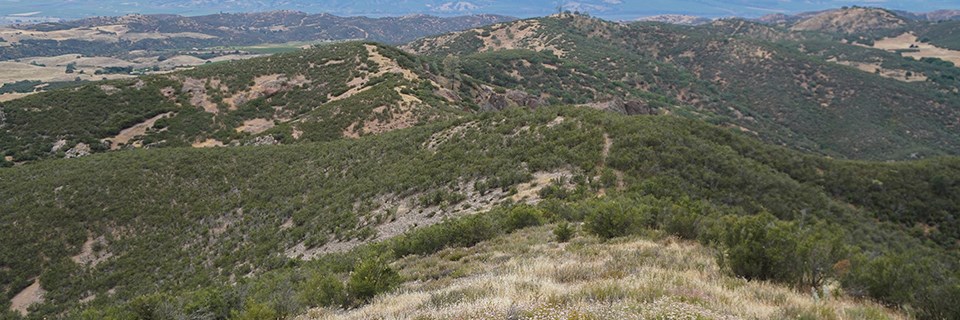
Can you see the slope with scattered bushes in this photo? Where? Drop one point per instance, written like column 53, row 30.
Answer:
column 216, row 231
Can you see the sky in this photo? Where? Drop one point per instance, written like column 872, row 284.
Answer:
column 610, row 9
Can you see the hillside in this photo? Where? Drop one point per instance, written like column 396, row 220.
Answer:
column 200, row 232
column 826, row 96
column 118, row 36
column 851, row 20
column 328, row 92
column 723, row 72
column 369, row 88
column 563, row 166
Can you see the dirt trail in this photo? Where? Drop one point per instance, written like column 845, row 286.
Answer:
column 607, row 144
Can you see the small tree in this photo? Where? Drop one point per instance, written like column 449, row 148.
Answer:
column 255, row 311
column 523, row 216
column 372, row 276
column 564, row 232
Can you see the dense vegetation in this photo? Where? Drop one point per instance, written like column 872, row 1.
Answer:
column 738, row 73
column 261, row 230
column 175, row 220
column 291, row 86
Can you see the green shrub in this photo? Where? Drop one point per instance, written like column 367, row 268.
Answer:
column 255, row 311
column 523, row 216
column 763, row 248
column 564, row 232
column 371, row 277
column 682, row 223
column 610, row 219
column 323, row 290
column 461, row 232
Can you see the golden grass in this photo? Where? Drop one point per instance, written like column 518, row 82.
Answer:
column 527, row 275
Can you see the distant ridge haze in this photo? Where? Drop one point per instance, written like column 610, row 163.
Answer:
column 609, row 9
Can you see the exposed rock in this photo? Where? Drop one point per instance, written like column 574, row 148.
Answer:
column 80, row 150
column 108, row 89
column 267, row 140
column 58, row 145
column 631, row 107
column 489, row 99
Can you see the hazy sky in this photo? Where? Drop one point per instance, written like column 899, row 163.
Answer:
column 613, row 9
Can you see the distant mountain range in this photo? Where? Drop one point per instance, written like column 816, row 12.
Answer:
column 609, row 9
column 111, row 36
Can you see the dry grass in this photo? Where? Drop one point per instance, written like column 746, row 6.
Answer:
column 107, row 34
column 924, row 50
column 896, row 74
column 526, row 275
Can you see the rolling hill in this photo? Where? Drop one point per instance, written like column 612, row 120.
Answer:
column 740, row 74
column 114, row 36
column 201, row 231
column 728, row 170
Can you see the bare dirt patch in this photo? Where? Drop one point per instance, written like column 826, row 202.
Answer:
column 128, row 134
column 266, row 85
column 88, row 256
column 209, row 143
column 12, row 96
column 923, row 50
column 529, row 192
column 395, row 215
column 29, row 296
column 877, row 68
column 197, row 89
column 255, row 126
column 18, row 71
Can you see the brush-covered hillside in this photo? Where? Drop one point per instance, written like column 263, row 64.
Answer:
column 275, row 231
column 318, row 94
column 805, row 90
column 328, row 92
column 756, row 78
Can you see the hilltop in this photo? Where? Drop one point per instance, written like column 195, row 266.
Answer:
column 852, row 20
column 628, row 278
